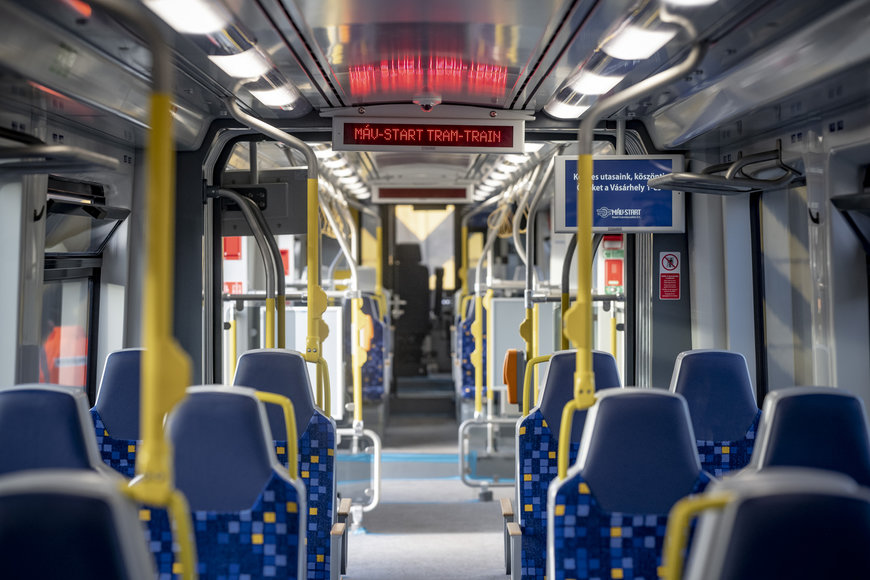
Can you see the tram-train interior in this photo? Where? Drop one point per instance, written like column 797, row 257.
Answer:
column 391, row 289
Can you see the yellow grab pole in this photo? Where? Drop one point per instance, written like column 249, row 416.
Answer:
column 578, row 319
column 487, row 307
column 289, row 426
column 317, row 328
column 234, row 347
column 566, row 303
column 281, row 310
column 270, row 323
column 477, row 353
column 463, row 260
column 358, row 358
column 527, row 333
column 613, row 343
column 677, row 531
column 323, row 386
column 379, row 272
column 536, row 342
column 527, row 378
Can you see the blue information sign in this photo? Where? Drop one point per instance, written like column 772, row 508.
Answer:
column 623, row 201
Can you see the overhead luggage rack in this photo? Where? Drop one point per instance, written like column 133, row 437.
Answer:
column 54, row 158
column 738, row 177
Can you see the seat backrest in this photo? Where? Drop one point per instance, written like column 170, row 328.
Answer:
column 559, row 387
column 71, row 524
column 250, row 516
column 118, row 397
column 775, row 513
column 638, row 451
column 718, row 389
column 373, row 368
column 637, row 458
column 116, row 413
column 818, row 427
column 283, row 372
column 537, row 443
column 46, row 427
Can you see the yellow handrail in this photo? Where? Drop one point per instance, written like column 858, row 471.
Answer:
column 325, row 394
column 487, row 307
column 527, row 333
column 463, row 260
column 317, row 328
column 536, row 343
column 566, row 303
column 234, row 347
column 166, row 368
column 379, row 272
column 527, row 378
column 578, row 318
column 289, row 426
column 477, row 353
column 270, row 323
column 677, row 531
column 281, row 309
column 358, row 357
column 613, row 342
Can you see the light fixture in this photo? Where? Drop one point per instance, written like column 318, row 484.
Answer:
column 639, row 36
column 354, row 187
column 689, row 3
column 569, row 104
column 532, row 147
column 326, row 153
column 334, row 162
column 507, row 168
column 244, row 65
column 282, row 97
column 350, row 180
column 498, row 176
column 516, row 159
column 492, row 183
column 486, row 188
column 191, row 16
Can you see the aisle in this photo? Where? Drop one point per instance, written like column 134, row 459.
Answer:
column 429, row 524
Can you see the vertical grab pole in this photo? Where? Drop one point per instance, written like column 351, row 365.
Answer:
column 166, row 368
column 578, row 319
column 317, row 328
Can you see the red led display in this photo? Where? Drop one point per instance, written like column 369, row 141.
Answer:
column 426, row 135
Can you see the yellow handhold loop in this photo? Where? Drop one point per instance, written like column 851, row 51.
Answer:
column 527, row 379
column 289, row 426
column 678, row 529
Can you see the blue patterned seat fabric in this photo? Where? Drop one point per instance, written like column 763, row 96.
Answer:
column 284, row 372
column 116, row 411
column 317, row 470
column 718, row 389
column 373, row 368
column 248, row 526
column 119, row 454
column 467, row 345
column 637, row 458
column 537, row 445
column 260, row 542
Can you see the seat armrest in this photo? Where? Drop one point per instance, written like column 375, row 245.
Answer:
column 515, row 535
column 507, row 509
column 343, row 509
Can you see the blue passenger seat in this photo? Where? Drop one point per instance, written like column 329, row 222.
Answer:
column 637, row 458
column 718, row 389
column 248, row 515
column 466, row 348
column 284, row 372
column 537, row 442
column 795, row 523
column 818, row 427
column 116, row 413
column 70, row 524
column 373, row 368
column 46, row 427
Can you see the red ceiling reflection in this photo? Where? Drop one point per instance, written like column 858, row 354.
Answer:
column 435, row 75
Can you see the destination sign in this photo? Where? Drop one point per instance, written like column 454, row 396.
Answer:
column 421, row 194
column 623, row 201
column 465, row 135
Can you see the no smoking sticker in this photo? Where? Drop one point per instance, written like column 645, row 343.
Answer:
column 669, row 275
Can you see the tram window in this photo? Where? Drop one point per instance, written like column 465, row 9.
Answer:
column 65, row 329
column 788, row 324
column 270, row 155
column 433, row 230
column 73, row 228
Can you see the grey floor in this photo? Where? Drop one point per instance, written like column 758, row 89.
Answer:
column 429, row 524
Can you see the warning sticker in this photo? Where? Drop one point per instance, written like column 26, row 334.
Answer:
column 669, row 275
